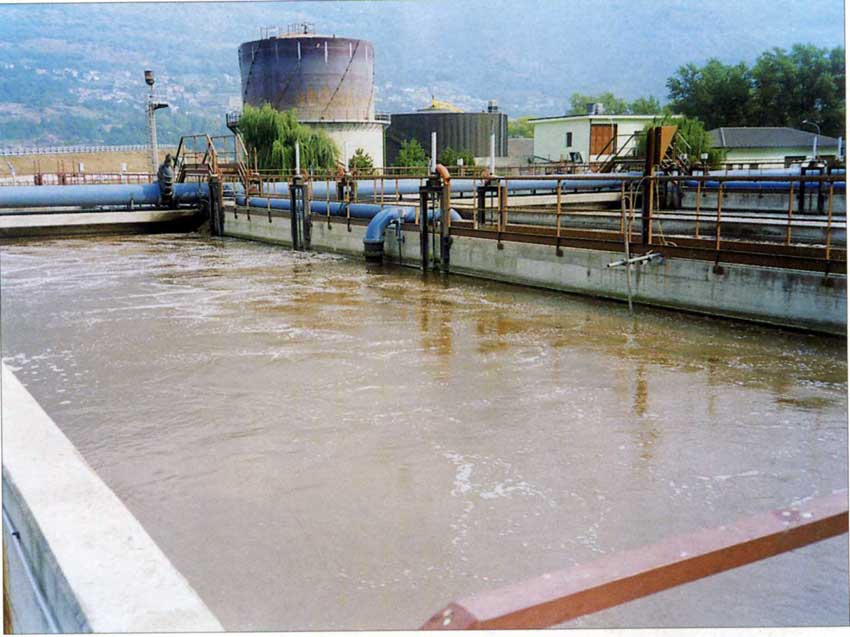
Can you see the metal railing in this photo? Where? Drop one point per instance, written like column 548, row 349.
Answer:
column 78, row 179
column 560, row 596
column 604, row 212
column 21, row 151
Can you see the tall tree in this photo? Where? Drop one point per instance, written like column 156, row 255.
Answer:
column 717, row 93
column 783, row 88
column 805, row 83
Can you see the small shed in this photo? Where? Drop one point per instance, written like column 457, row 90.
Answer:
column 586, row 138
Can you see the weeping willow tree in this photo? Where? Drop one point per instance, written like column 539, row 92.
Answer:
column 273, row 134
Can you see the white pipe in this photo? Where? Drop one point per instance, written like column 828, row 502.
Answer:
column 297, row 158
column 492, row 153
column 433, row 151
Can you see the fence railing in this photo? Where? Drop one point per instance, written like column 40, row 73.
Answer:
column 21, row 151
column 605, row 211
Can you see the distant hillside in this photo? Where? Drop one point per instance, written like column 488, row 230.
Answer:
column 72, row 73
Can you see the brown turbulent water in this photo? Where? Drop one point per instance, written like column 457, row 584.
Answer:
column 320, row 445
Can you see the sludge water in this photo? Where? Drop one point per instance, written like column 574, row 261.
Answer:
column 320, row 445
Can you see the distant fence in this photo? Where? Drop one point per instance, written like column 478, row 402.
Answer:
column 20, row 151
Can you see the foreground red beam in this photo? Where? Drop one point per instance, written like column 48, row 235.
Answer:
column 560, row 596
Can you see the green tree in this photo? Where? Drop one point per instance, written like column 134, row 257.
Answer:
column 692, row 139
column 805, row 83
column 520, row 127
column 411, row 155
column 361, row 162
column 716, row 93
column 449, row 157
column 613, row 104
column 646, row 106
column 273, row 134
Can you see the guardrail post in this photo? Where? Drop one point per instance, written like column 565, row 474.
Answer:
column 790, row 212
column 829, row 220
column 719, row 207
column 698, row 202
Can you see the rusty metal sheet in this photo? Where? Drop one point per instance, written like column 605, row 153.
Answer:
column 563, row 595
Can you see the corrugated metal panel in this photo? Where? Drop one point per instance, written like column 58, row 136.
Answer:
column 322, row 78
column 460, row 131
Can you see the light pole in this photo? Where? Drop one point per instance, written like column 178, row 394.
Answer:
column 150, row 109
column 815, row 143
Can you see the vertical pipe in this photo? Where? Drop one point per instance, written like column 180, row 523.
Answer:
column 503, row 206
column 433, row 151
column 699, row 201
column 445, row 224
column 297, row 158
column 492, row 153
column 306, row 218
column 829, row 220
column 423, row 227
column 790, row 212
column 648, row 229
column 293, row 215
column 328, row 199
column 622, row 205
column 558, row 211
column 719, row 207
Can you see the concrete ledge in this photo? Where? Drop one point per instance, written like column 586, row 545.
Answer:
column 82, row 222
column 93, row 563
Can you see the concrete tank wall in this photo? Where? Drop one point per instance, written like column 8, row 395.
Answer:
column 76, row 558
column 791, row 298
column 365, row 135
column 321, row 77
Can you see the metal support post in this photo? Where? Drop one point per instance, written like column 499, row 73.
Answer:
column 649, row 169
column 216, row 207
column 424, row 197
column 445, row 225
column 299, row 213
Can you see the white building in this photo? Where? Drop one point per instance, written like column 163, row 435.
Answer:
column 752, row 147
column 586, row 138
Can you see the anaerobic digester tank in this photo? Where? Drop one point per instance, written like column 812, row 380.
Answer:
column 328, row 81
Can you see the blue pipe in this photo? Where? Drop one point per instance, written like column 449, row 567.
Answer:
column 367, row 188
column 373, row 240
column 761, row 185
column 114, row 195
column 337, row 208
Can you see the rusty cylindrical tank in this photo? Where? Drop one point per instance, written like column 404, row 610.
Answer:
column 324, row 78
